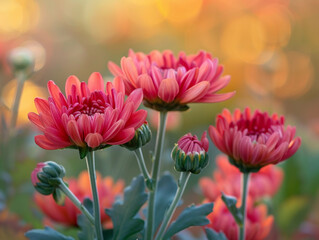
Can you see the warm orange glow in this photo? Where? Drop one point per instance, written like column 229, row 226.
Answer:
column 105, row 20
column 243, row 38
column 179, row 11
column 266, row 78
column 300, row 76
column 30, row 91
column 17, row 16
column 276, row 23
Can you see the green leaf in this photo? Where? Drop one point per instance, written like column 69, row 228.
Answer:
column 47, row 233
column 87, row 231
column 191, row 216
column 213, row 235
column 107, row 234
column 164, row 196
column 88, row 204
column 123, row 213
column 231, row 202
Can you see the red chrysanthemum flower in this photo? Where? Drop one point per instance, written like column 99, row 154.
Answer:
column 170, row 83
column 258, row 223
column 253, row 141
column 67, row 213
column 90, row 116
column 227, row 179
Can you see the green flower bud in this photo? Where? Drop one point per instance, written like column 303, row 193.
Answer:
column 142, row 136
column 47, row 176
column 190, row 154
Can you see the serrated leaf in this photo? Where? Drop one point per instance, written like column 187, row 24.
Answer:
column 47, row 233
column 190, row 216
column 213, row 235
column 165, row 194
column 87, row 230
column 123, row 213
column 231, row 202
column 88, row 204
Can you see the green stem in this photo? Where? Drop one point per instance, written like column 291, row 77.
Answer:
column 143, row 168
column 76, row 201
column 155, row 172
column 21, row 77
column 183, row 179
column 242, row 209
column 90, row 161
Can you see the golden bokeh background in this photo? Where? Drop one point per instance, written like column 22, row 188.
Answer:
column 270, row 49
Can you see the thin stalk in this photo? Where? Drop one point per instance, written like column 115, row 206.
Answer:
column 183, row 179
column 245, row 184
column 141, row 163
column 155, row 172
column 76, row 201
column 21, row 77
column 90, row 161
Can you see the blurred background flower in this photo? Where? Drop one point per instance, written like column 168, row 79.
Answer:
column 270, row 49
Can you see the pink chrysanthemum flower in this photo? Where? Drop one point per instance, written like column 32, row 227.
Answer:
column 253, row 141
column 170, row 83
column 89, row 117
column 258, row 223
column 227, row 179
column 67, row 213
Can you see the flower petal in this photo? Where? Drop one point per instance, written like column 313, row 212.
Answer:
column 145, row 82
column 135, row 97
column 196, row 92
column 129, row 70
column 93, row 140
column 114, row 69
column 74, row 133
column 137, row 119
column 72, row 80
column 122, row 137
column 54, row 91
column 44, row 143
column 96, row 82
column 168, row 90
column 213, row 98
column 34, row 118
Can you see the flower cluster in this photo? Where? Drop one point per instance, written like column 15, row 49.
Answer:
column 92, row 116
column 258, row 223
column 170, row 83
column 227, row 179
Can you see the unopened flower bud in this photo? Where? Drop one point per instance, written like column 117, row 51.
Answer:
column 190, row 154
column 142, row 136
column 46, row 177
column 21, row 59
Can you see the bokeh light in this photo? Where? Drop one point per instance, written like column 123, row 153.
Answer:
column 30, row 92
column 243, row 38
column 17, row 17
